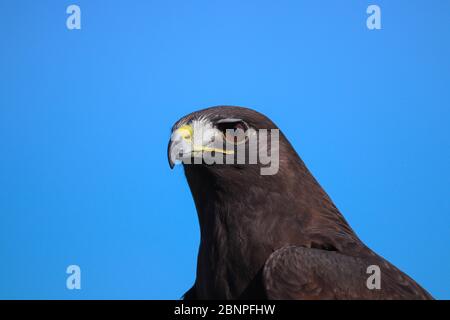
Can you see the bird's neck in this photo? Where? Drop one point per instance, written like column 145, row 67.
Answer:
column 228, row 235
column 243, row 223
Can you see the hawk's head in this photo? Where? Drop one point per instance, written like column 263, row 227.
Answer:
column 226, row 137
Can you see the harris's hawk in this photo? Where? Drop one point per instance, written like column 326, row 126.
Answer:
column 270, row 236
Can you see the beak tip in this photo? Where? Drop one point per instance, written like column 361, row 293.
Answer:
column 170, row 156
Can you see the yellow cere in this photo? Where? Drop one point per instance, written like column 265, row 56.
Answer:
column 186, row 132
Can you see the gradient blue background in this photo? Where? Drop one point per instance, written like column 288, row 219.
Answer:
column 85, row 118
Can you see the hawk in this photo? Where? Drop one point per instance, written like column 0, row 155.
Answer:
column 270, row 236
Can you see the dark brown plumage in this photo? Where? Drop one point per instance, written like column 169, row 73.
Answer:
column 277, row 236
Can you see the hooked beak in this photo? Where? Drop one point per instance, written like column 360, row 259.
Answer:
column 180, row 145
column 169, row 157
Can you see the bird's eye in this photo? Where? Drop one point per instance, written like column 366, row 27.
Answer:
column 233, row 131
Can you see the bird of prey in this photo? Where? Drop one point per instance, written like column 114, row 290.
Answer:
column 271, row 236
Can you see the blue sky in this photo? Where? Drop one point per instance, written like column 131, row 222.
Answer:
column 85, row 118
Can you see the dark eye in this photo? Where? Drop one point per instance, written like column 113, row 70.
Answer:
column 234, row 131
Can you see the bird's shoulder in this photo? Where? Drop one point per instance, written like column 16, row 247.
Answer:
column 294, row 272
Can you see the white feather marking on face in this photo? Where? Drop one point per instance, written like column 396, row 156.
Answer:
column 204, row 132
